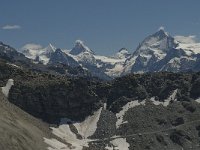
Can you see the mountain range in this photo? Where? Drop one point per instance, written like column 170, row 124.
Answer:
column 52, row 98
column 157, row 52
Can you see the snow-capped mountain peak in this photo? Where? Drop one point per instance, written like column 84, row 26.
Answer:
column 158, row 44
column 123, row 53
column 37, row 52
column 80, row 47
column 49, row 49
column 162, row 31
column 152, row 49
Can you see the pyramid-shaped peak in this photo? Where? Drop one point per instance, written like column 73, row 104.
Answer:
column 161, row 33
column 160, row 41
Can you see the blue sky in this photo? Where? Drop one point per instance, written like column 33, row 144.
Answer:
column 104, row 25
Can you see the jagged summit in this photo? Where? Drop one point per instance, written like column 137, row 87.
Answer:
column 122, row 53
column 50, row 47
column 49, row 50
column 160, row 42
column 80, row 47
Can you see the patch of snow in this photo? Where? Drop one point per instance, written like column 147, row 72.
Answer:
column 13, row 65
column 135, row 103
column 198, row 100
column 166, row 102
column 108, row 59
column 122, row 54
column 7, row 88
column 109, row 148
column 129, row 64
column 63, row 130
column 175, row 62
column 89, row 125
column 99, row 65
column 104, row 106
column 188, row 44
column 125, row 108
column 55, row 144
column 119, row 144
column 191, row 39
column 86, row 57
column 116, row 70
column 85, row 129
column 44, row 59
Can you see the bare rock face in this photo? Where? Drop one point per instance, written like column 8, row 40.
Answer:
column 60, row 57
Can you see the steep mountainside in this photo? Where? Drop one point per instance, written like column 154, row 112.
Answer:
column 143, row 111
column 19, row 130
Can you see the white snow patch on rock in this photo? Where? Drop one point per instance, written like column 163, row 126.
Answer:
column 63, row 131
column 55, row 144
column 166, row 102
column 116, row 70
column 85, row 129
column 13, row 65
column 6, row 89
column 125, row 108
column 119, row 144
column 104, row 106
column 89, row 125
column 198, row 100
column 135, row 103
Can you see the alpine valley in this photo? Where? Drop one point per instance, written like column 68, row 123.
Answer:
column 61, row 99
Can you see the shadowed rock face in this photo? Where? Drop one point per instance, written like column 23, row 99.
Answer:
column 54, row 99
column 59, row 56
